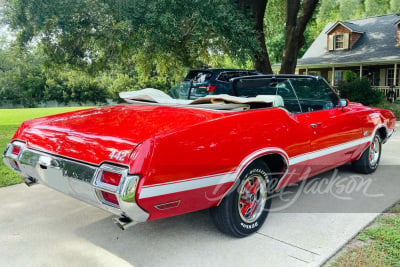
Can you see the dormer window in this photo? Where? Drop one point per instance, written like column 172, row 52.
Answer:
column 343, row 36
column 338, row 41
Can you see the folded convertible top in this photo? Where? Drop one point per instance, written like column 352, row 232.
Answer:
column 155, row 96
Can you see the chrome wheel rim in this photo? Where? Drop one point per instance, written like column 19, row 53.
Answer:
column 252, row 198
column 374, row 152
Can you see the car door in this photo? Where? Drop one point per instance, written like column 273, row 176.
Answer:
column 335, row 131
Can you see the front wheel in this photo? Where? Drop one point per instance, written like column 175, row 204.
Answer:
column 369, row 160
column 245, row 209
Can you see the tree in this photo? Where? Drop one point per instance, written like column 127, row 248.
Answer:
column 156, row 35
column 298, row 14
column 21, row 77
column 350, row 9
column 274, row 24
column 375, row 7
column 394, row 6
column 257, row 8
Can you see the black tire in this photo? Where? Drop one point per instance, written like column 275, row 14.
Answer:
column 369, row 160
column 251, row 197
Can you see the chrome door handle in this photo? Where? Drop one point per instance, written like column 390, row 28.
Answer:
column 314, row 125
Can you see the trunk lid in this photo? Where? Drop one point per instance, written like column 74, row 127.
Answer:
column 107, row 133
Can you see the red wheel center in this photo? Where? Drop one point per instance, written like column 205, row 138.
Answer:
column 249, row 201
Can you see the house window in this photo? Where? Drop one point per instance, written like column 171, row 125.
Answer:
column 390, row 77
column 338, row 77
column 339, row 41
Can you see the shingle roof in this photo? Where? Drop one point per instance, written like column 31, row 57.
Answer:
column 351, row 26
column 377, row 43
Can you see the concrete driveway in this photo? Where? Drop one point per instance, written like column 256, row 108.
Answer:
column 310, row 222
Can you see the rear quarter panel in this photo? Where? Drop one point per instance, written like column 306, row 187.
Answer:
column 213, row 149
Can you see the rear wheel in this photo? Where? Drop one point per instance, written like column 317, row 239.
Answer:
column 245, row 209
column 369, row 160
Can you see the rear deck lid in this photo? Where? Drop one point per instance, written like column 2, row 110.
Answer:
column 94, row 135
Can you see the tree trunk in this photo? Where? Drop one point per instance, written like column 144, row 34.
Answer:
column 294, row 34
column 261, row 57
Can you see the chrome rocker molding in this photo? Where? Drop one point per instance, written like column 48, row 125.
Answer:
column 79, row 180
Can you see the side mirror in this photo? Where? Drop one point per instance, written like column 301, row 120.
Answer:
column 343, row 102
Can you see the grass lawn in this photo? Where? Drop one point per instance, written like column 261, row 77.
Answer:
column 10, row 120
column 378, row 245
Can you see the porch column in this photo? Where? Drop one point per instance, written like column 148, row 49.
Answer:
column 333, row 76
column 361, row 69
column 395, row 75
column 306, row 70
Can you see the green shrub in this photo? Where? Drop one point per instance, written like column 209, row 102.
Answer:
column 360, row 90
column 350, row 76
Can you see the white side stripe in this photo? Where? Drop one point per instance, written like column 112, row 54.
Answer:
column 327, row 151
column 222, row 178
column 186, row 185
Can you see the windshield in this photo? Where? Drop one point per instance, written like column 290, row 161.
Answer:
column 198, row 76
column 300, row 94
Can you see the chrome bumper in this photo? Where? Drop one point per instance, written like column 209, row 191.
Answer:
column 390, row 134
column 76, row 179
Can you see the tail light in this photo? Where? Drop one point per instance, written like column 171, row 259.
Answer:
column 209, row 88
column 16, row 150
column 107, row 180
column 13, row 152
column 110, row 197
column 109, row 177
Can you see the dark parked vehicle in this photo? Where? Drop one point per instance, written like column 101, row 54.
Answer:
column 208, row 82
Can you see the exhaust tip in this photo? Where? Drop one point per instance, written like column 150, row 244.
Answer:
column 124, row 222
column 29, row 181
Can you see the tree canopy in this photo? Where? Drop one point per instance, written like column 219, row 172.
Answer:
column 155, row 35
column 108, row 46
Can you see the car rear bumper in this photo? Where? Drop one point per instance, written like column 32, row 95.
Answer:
column 76, row 179
column 390, row 134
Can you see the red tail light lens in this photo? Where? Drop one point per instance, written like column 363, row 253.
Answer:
column 110, row 197
column 15, row 150
column 112, row 178
column 209, row 88
column 107, row 180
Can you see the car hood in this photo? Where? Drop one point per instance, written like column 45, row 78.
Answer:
column 99, row 134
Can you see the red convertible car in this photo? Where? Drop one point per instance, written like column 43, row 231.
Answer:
column 147, row 160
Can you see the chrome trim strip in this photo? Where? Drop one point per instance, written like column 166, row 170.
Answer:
column 126, row 198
